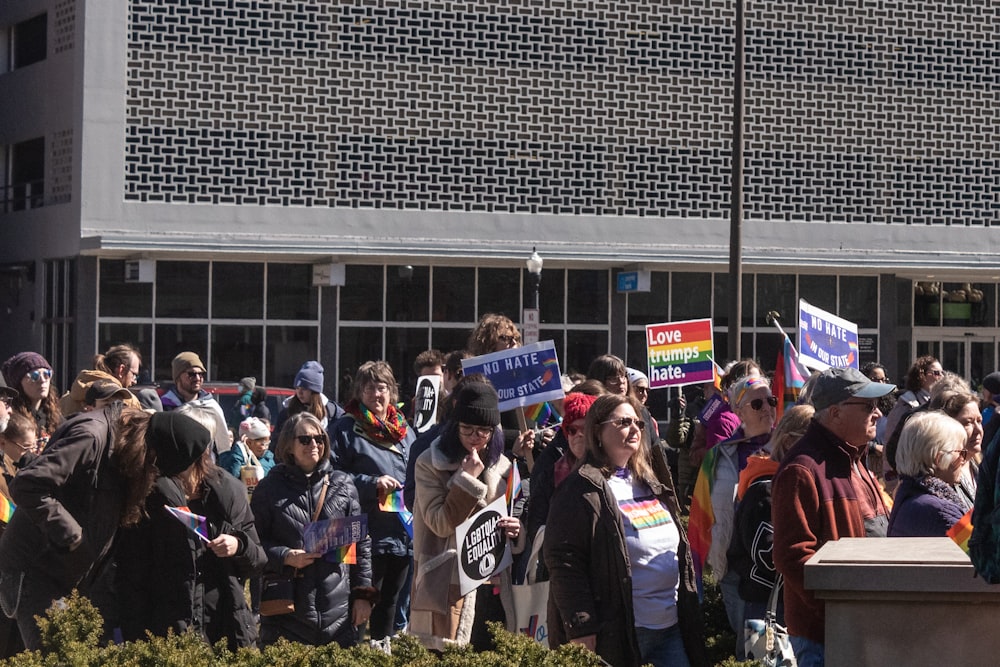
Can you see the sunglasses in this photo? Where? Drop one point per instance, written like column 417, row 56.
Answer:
column 870, row 406
column 7, row 400
column 758, row 403
column 479, row 431
column 572, row 430
column 507, row 340
column 196, row 374
column 936, row 374
column 626, row 422
column 39, row 374
column 306, row 440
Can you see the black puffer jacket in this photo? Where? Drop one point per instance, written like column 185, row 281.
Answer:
column 167, row 578
column 283, row 503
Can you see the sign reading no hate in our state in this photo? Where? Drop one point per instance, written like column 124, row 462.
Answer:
column 679, row 353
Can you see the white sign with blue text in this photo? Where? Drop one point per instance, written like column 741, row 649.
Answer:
column 522, row 376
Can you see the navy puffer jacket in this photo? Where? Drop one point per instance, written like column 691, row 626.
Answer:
column 283, row 503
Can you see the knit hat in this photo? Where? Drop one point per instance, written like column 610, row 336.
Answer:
column 105, row 389
column 254, row 429
column 246, row 385
column 991, row 383
column 634, row 375
column 477, row 404
column 178, row 441
column 15, row 368
column 184, row 362
column 576, row 405
column 310, row 376
column 835, row 385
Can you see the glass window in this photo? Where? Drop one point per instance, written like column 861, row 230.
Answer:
column 287, row 349
column 182, row 289
column 635, row 357
column 29, row 41
column 237, row 351
column 139, row 336
column 119, row 298
column 720, row 312
column 237, row 290
column 361, row 297
column 454, row 294
column 583, row 347
column 904, row 302
column 967, row 304
column 449, row 340
column 653, row 306
column 557, row 336
column 407, row 293
column 859, row 300
column 401, row 348
column 499, row 292
column 690, row 297
column 552, row 296
column 587, row 297
column 768, row 346
column 357, row 345
column 776, row 292
column 172, row 339
column 819, row 291
column 290, row 292
column 926, row 303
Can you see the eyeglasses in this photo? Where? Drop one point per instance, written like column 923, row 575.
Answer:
column 870, row 406
column 641, row 390
column 7, row 400
column 758, row 403
column 509, row 341
column 375, row 389
column 196, row 374
column 881, row 379
column 39, row 374
column 963, row 454
column 306, row 440
column 626, row 422
column 468, row 430
column 135, row 373
column 571, row 431
column 936, row 373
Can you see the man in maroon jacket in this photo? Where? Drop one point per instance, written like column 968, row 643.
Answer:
column 823, row 492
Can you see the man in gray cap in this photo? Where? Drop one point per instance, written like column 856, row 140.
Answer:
column 823, row 492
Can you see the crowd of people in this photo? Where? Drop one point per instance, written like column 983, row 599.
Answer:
column 148, row 504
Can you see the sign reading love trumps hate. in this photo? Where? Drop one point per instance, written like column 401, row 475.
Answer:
column 826, row 340
column 679, row 353
column 522, row 376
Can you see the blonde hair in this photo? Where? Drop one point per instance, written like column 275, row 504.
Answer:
column 790, row 429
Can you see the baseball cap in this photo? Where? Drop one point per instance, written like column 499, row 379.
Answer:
column 105, row 390
column 835, row 385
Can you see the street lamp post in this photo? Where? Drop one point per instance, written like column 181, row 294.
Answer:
column 535, row 270
column 530, row 319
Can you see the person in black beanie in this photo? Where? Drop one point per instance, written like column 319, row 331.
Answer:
column 92, row 478
column 463, row 471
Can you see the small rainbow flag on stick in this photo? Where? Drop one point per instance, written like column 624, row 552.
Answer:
column 6, row 508
column 393, row 502
column 347, row 554
column 962, row 531
column 513, row 487
column 541, row 413
column 196, row 523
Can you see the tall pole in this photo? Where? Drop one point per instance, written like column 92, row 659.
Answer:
column 736, row 203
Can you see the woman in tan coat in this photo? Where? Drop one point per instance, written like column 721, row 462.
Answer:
column 462, row 472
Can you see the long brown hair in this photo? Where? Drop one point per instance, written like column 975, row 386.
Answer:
column 640, row 463
column 316, row 407
column 192, row 479
column 134, row 459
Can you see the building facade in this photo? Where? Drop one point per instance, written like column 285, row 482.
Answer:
column 269, row 183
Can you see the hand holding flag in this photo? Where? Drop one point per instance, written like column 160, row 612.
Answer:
column 196, row 523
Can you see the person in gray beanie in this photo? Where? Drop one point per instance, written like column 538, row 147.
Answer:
column 92, row 478
column 309, row 397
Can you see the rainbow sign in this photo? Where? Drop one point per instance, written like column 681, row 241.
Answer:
column 679, row 353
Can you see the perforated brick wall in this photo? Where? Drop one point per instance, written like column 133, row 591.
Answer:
column 877, row 112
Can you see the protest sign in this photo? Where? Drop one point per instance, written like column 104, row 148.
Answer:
column 679, row 353
column 483, row 549
column 522, row 376
column 334, row 537
column 826, row 340
column 425, row 402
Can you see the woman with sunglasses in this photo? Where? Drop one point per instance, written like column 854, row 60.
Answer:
column 920, row 379
column 372, row 444
column 930, row 458
column 622, row 579
column 751, row 401
column 31, row 375
column 462, row 472
column 963, row 406
column 332, row 599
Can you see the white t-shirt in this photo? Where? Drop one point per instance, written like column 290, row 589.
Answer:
column 652, row 539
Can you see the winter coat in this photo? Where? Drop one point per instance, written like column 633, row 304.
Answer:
column 445, row 497
column 543, row 483
column 366, row 461
column 72, row 401
column 591, row 574
column 923, row 510
column 167, row 578
column 234, row 459
column 70, row 500
column 283, row 504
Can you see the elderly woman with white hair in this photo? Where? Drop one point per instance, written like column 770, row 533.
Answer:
column 930, row 458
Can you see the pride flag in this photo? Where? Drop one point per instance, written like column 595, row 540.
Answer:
column 6, row 508
column 393, row 502
column 701, row 517
column 196, row 523
column 513, row 487
column 347, row 554
column 541, row 413
column 789, row 376
column 962, row 531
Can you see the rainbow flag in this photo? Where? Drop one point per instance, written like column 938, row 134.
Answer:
column 701, row 517
column 196, row 523
column 347, row 554
column 789, row 376
column 393, row 502
column 513, row 487
column 541, row 413
column 962, row 531
column 6, row 508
